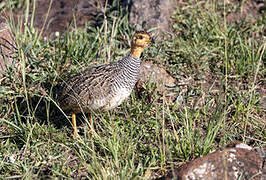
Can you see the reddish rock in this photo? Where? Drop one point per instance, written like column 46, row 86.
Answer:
column 155, row 74
column 247, row 12
column 61, row 14
column 237, row 162
column 7, row 48
column 152, row 73
column 159, row 81
column 145, row 14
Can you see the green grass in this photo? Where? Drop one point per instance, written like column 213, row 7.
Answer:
column 221, row 65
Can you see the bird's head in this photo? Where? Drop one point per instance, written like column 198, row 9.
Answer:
column 140, row 41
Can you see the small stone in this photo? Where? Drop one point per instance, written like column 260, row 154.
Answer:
column 12, row 158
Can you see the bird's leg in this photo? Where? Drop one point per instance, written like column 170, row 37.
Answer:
column 74, row 124
column 91, row 121
column 91, row 130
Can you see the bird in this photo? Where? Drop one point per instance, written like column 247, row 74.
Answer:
column 105, row 86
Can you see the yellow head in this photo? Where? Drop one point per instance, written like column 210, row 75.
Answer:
column 140, row 41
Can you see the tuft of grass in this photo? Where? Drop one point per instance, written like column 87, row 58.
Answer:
column 219, row 63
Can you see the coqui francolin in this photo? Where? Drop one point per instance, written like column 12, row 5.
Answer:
column 104, row 86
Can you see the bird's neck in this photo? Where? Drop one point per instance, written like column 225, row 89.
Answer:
column 136, row 51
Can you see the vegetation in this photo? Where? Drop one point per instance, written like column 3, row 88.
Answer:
column 219, row 64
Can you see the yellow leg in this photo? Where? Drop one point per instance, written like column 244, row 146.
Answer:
column 91, row 130
column 91, row 121
column 75, row 133
column 12, row 107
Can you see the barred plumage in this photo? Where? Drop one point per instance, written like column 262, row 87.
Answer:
column 105, row 86
column 95, row 87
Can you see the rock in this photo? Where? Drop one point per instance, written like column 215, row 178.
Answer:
column 87, row 11
column 240, row 161
column 152, row 14
column 247, row 12
column 61, row 15
column 155, row 74
column 152, row 73
column 7, row 48
column 146, row 14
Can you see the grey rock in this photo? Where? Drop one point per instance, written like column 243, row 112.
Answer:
column 152, row 14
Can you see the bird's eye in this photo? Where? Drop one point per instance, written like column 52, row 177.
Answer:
column 140, row 37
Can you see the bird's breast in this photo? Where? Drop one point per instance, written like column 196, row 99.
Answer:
column 119, row 96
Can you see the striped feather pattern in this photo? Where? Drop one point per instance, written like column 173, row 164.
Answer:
column 104, row 86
